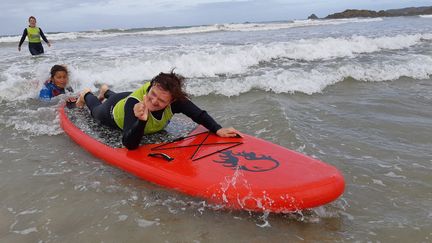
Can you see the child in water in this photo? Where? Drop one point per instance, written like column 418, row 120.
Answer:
column 56, row 85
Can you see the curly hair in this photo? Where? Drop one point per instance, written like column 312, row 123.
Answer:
column 172, row 83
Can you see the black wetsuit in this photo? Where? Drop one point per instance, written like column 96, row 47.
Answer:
column 34, row 48
column 133, row 129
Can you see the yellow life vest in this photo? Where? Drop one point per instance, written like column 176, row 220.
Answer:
column 33, row 34
column 152, row 125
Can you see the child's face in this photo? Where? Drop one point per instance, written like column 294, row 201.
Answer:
column 60, row 79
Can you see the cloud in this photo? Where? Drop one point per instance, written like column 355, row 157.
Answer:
column 66, row 15
column 110, row 7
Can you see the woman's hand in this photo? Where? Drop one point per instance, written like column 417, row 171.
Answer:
column 227, row 132
column 141, row 111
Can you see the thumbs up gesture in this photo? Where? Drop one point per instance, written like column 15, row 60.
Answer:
column 141, row 110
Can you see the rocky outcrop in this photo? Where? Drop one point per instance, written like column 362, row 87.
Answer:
column 409, row 11
column 355, row 13
column 313, row 16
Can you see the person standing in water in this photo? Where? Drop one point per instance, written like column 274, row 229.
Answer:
column 34, row 35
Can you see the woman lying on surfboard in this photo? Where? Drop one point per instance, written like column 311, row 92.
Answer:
column 147, row 109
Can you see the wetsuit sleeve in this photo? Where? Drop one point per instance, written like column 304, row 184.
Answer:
column 133, row 128
column 24, row 35
column 45, row 93
column 43, row 36
column 199, row 116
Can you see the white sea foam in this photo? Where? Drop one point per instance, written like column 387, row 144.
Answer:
column 122, row 217
column 378, row 182
column 40, row 121
column 313, row 81
column 394, row 175
column 194, row 29
column 26, row 231
column 329, row 48
column 244, row 66
column 214, row 60
column 291, row 24
column 143, row 223
column 304, row 65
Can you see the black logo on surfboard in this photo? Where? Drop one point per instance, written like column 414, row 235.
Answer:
column 248, row 161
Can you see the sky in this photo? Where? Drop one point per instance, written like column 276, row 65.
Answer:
column 80, row 15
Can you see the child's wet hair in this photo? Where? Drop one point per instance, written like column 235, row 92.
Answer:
column 31, row 17
column 172, row 83
column 58, row 68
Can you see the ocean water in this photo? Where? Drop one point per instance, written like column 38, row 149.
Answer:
column 355, row 93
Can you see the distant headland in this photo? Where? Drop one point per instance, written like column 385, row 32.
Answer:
column 356, row 13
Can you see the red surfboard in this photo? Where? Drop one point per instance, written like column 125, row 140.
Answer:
column 245, row 173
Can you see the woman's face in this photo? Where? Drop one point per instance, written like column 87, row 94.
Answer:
column 32, row 22
column 60, row 79
column 157, row 98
